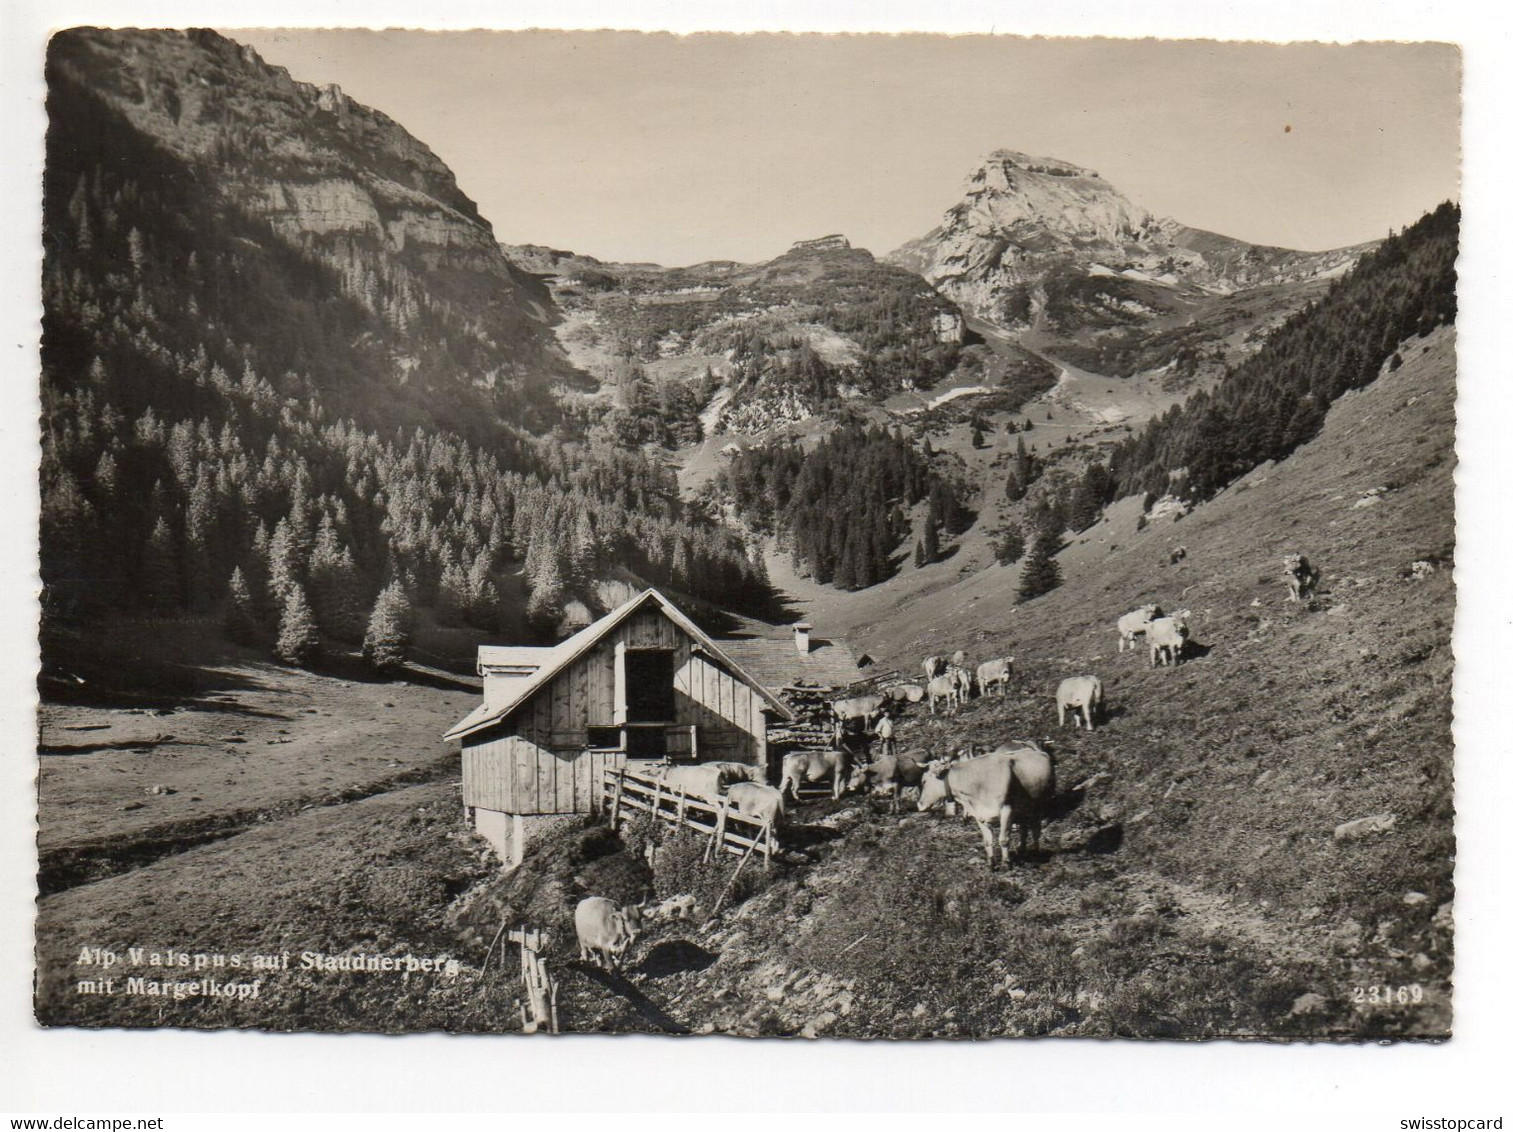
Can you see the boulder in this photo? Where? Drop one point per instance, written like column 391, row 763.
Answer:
column 1364, row 827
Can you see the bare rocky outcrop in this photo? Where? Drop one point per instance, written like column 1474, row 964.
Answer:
column 1023, row 221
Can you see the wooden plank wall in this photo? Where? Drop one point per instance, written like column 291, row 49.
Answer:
column 544, row 768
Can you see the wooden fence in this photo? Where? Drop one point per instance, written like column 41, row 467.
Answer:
column 538, row 1008
column 726, row 828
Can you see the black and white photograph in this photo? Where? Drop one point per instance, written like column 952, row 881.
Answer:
column 889, row 537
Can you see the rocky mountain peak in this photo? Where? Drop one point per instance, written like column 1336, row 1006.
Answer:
column 1011, row 190
column 1032, row 237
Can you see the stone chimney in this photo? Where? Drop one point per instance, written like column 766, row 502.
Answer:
column 801, row 637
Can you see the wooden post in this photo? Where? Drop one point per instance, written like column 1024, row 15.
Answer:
column 767, row 846
column 656, row 801
column 614, row 817
column 717, row 838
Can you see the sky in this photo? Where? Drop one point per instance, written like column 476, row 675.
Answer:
column 675, row 149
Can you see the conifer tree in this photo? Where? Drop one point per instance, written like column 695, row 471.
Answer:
column 1040, row 573
column 931, row 545
column 544, row 609
column 241, row 620
column 298, row 637
column 160, row 567
column 1009, row 547
column 386, row 644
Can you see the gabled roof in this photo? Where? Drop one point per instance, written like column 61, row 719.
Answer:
column 560, row 656
column 777, row 662
column 512, row 656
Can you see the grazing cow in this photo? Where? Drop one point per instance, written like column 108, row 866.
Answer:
column 1301, row 576
column 731, row 773
column 906, row 693
column 606, row 930
column 1012, row 784
column 963, row 679
column 1179, row 554
column 959, row 659
column 1136, row 623
column 760, row 803
column 942, row 687
column 864, row 708
column 995, row 674
column 800, row 767
column 1082, row 694
column 1167, row 637
column 933, row 666
column 892, row 772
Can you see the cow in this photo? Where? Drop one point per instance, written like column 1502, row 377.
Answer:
column 995, row 674
column 933, row 666
column 959, row 659
column 1082, row 694
column 800, row 767
column 1167, row 637
column 942, row 687
column 760, row 803
column 864, row 708
column 1301, row 576
column 906, row 693
column 963, row 679
column 893, row 772
column 731, row 773
column 1135, row 624
column 1179, row 554
column 1012, row 784
column 701, row 780
column 606, row 930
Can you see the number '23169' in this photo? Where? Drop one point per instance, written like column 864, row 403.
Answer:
column 1410, row 995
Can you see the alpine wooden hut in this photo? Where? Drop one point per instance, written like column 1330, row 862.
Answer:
column 641, row 685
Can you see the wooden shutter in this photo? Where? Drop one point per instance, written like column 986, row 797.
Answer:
column 621, row 710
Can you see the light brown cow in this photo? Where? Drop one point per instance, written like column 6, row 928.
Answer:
column 1012, row 784
column 760, row 803
column 606, row 930
column 1167, row 637
column 1082, row 694
column 800, row 767
column 1301, row 577
column 963, row 679
column 864, row 708
column 933, row 666
column 995, row 674
column 942, row 688
column 1134, row 624
column 731, row 772
column 892, row 773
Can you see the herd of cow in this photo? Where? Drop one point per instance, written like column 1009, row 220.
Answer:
column 1003, row 788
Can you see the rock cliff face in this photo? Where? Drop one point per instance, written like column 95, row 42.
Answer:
column 1041, row 244
column 350, row 190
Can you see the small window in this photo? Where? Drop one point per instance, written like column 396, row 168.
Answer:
column 604, row 738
